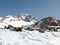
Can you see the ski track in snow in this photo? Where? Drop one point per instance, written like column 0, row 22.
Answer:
column 28, row 38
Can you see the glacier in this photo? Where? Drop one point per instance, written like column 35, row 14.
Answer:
column 8, row 37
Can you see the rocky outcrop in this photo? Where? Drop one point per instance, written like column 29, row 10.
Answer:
column 18, row 28
column 27, row 17
column 14, row 28
column 9, row 27
column 48, row 21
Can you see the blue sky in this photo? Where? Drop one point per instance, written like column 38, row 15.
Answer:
column 37, row 8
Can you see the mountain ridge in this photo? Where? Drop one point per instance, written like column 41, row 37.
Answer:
column 30, row 23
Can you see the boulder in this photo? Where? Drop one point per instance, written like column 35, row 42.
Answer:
column 18, row 28
column 9, row 27
column 41, row 30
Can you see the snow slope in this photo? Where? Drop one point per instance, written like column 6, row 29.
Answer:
column 20, row 23
column 25, row 37
column 0, row 18
column 17, row 21
column 2, row 25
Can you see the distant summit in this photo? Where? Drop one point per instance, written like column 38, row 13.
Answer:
column 27, row 17
column 22, row 16
column 16, row 22
column 48, row 23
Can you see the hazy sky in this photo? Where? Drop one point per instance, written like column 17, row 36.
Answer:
column 37, row 8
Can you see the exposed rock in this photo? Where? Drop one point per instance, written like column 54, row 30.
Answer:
column 58, row 22
column 14, row 28
column 41, row 30
column 45, row 22
column 48, row 21
column 9, row 27
column 27, row 17
column 30, row 29
column 18, row 28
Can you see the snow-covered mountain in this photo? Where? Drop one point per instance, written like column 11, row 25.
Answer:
column 31, row 30
column 49, row 23
column 18, row 21
column 27, row 17
column 22, row 16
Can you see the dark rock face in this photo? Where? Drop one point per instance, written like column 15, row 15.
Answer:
column 18, row 28
column 48, row 21
column 9, row 27
column 29, row 18
column 58, row 22
column 52, row 29
column 26, row 17
column 45, row 22
column 30, row 29
column 41, row 30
